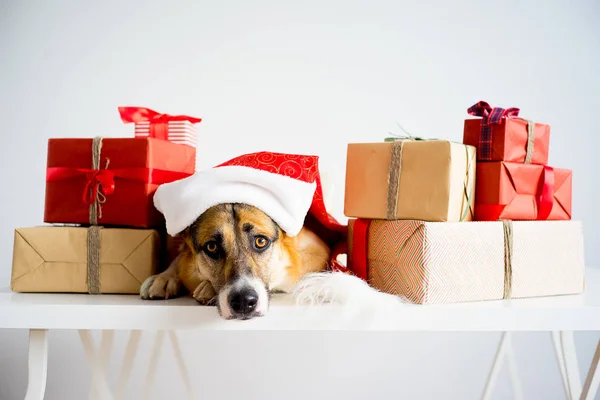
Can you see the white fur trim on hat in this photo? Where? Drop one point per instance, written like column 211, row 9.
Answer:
column 286, row 200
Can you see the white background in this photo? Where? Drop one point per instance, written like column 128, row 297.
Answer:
column 302, row 77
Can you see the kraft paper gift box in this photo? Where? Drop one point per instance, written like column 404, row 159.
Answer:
column 63, row 259
column 180, row 129
column 500, row 135
column 111, row 181
column 445, row 262
column 431, row 180
column 522, row 192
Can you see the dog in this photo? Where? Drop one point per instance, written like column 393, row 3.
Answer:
column 234, row 256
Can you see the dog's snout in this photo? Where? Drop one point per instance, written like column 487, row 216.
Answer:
column 243, row 301
column 244, row 298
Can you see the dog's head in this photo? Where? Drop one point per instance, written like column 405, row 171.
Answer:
column 243, row 253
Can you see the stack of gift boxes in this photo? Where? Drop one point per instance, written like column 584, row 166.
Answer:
column 435, row 221
column 103, row 233
column 431, row 220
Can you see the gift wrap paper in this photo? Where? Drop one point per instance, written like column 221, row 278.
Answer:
column 430, row 180
column 83, row 260
column 111, row 181
column 180, row 132
column 522, row 192
column 510, row 141
column 436, row 263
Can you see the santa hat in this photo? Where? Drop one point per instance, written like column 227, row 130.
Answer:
column 287, row 187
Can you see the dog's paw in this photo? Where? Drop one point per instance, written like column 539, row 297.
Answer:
column 159, row 287
column 205, row 294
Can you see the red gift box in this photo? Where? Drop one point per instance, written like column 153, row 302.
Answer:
column 111, row 181
column 501, row 136
column 522, row 192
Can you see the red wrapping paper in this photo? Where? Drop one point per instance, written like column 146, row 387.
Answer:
column 509, row 140
column 522, row 192
column 136, row 167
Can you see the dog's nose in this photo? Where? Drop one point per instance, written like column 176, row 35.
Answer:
column 243, row 301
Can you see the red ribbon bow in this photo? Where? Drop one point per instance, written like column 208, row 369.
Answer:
column 489, row 116
column 104, row 179
column 96, row 180
column 142, row 114
column 492, row 115
column 159, row 123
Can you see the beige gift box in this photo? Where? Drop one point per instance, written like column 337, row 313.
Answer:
column 452, row 262
column 429, row 180
column 63, row 259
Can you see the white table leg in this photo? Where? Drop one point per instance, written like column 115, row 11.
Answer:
column 152, row 364
column 38, row 364
column 504, row 351
column 497, row 364
column 592, row 381
column 129, row 357
column 571, row 366
column 181, row 363
column 106, row 344
column 513, row 370
column 560, row 359
column 99, row 384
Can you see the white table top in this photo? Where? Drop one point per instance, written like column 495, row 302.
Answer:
column 83, row 311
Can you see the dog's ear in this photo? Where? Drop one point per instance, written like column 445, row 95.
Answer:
column 186, row 237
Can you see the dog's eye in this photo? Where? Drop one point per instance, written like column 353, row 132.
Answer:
column 211, row 247
column 261, row 242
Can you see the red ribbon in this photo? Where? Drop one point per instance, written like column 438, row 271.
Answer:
column 359, row 262
column 98, row 179
column 104, row 179
column 492, row 115
column 159, row 123
column 489, row 212
column 544, row 200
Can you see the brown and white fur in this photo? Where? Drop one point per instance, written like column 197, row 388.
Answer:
column 234, row 256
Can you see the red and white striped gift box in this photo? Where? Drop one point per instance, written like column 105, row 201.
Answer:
column 182, row 132
column 149, row 123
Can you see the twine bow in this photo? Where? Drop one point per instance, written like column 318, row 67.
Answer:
column 404, row 136
column 99, row 183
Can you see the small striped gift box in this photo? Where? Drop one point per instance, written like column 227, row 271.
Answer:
column 182, row 132
column 179, row 129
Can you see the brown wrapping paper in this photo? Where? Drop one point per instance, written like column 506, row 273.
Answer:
column 58, row 259
column 429, row 180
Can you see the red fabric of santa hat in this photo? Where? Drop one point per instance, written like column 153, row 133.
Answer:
column 287, row 187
